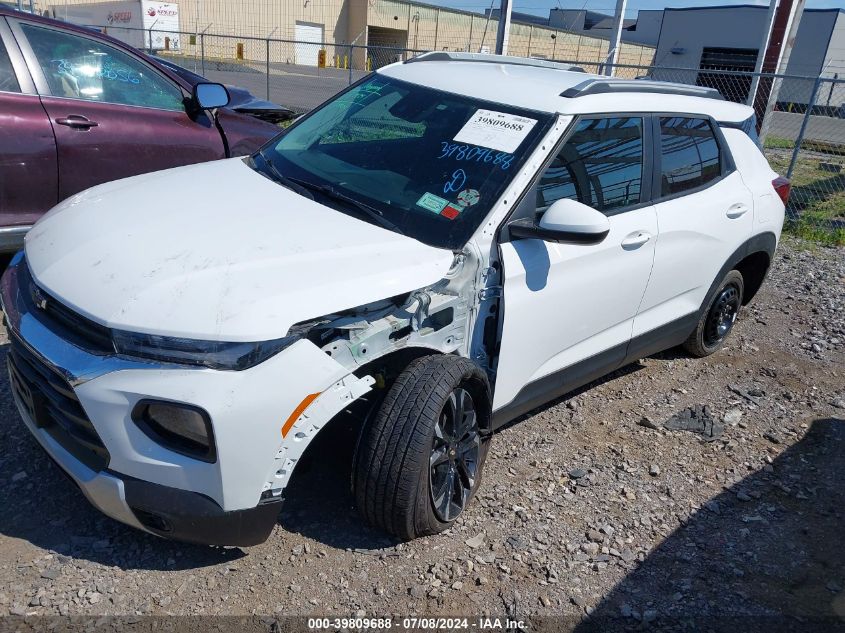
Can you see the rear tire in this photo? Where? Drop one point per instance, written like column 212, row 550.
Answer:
column 718, row 317
column 419, row 459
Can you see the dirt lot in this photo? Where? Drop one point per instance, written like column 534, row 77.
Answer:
column 590, row 508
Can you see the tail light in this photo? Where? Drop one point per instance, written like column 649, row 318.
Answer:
column 782, row 186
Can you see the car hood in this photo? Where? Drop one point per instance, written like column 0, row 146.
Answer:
column 217, row 252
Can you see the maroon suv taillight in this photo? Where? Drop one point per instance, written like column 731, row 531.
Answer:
column 782, row 186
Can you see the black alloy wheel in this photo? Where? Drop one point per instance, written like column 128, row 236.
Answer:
column 455, row 456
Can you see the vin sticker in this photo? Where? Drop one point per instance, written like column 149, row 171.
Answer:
column 496, row 130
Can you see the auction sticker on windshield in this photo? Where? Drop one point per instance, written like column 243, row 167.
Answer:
column 496, row 130
column 433, row 203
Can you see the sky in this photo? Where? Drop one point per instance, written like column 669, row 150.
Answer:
column 541, row 7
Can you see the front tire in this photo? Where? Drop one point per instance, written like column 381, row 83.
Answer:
column 419, row 459
column 718, row 317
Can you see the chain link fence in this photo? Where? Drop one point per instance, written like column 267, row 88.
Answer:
column 801, row 125
column 801, row 120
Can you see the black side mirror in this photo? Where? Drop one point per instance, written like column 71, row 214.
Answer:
column 209, row 96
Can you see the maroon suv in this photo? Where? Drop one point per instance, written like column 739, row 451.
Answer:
column 78, row 108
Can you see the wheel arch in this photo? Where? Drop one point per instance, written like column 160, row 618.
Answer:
column 752, row 259
column 386, row 368
column 753, row 268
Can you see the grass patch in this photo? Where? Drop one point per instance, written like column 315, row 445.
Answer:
column 817, row 201
column 776, row 142
column 810, row 145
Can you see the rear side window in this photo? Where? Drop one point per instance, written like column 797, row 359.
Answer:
column 601, row 165
column 8, row 81
column 689, row 154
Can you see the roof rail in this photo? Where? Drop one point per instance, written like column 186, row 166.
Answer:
column 446, row 56
column 596, row 86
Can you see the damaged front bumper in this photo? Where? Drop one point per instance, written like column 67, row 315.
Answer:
column 78, row 406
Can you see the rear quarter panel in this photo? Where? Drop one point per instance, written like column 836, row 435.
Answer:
column 757, row 175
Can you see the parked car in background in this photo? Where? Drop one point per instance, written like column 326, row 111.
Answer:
column 78, row 108
column 240, row 99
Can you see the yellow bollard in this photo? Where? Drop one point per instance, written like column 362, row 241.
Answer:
column 346, row 61
column 369, row 64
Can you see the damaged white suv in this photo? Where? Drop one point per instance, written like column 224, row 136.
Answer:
column 452, row 241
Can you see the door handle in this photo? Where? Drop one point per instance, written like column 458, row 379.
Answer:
column 77, row 122
column 736, row 210
column 636, row 239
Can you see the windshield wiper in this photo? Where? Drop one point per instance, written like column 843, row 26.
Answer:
column 285, row 181
column 332, row 193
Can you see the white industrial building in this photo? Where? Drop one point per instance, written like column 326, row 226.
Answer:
column 729, row 38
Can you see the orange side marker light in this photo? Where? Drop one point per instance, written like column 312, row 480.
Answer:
column 306, row 402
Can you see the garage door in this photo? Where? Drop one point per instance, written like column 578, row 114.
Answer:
column 305, row 52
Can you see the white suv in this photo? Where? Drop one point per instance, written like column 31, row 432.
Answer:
column 452, row 241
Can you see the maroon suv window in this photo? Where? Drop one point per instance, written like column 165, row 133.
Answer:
column 81, row 68
column 8, row 81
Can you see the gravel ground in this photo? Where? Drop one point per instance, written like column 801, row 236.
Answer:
column 590, row 508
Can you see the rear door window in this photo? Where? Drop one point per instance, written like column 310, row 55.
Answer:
column 689, row 155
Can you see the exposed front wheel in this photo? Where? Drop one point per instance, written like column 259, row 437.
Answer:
column 718, row 317
column 419, row 459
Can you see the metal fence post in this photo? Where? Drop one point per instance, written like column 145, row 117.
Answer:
column 804, row 123
column 350, row 64
column 202, row 52
column 267, row 69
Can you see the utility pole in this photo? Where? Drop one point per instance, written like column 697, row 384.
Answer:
column 504, row 27
column 615, row 37
column 785, row 29
column 761, row 54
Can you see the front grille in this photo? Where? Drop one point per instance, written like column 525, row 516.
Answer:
column 53, row 406
column 70, row 325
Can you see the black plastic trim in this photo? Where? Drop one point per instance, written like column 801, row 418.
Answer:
column 762, row 243
column 559, row 383
column 192, row 517
column 661, row 338
column 650, row 86
column 571, row 378
column 140, row 418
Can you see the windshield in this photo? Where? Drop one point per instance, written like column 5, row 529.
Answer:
column 418, row 161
